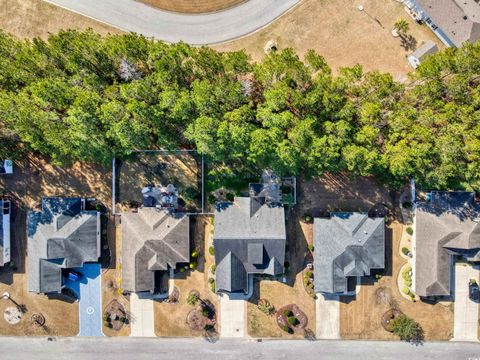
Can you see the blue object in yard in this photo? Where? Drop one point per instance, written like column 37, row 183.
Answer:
column 429, row 196
column 73, row 275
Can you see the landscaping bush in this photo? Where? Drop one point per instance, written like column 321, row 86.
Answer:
column 211, row 280
column 311, row 247
column 406, row 290
column 307, row 218
column 192, row 299
column 212, row 199
column 287, row 313
column 206, row 312
column 230, row 197
column 406, row 275
column 406, row 328
column 405, row 251
column 292, row 320
column 212, row 285
column 213, row 268
column 409, row 230
column 286, row 265
column 286, row 328
column 266, row 308
column 407, row 205
column 193, row 265
column 211, row 250
column 195, row 254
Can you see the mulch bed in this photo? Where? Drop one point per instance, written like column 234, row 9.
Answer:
column 301, row 318
column 307, row 274
column 114, row 312
column 388, row 317
column 197, row 320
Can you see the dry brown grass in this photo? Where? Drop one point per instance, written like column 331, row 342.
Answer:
column 341, row 33
column 192, row 6
column 360, row 318
column 113, row 276
column 170, row 319
column 32, row 18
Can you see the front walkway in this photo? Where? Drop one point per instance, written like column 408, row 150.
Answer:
column 232, row 316
column 142, row 318
column 465, row 310
column 221, row 26
column 327, row 309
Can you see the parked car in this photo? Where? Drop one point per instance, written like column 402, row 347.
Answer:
column 72, row 275
column 473, row 290
column 6, row 167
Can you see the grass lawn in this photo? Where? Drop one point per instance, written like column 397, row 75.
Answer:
column 170, row 319
column 341, row 33
column 192, row 7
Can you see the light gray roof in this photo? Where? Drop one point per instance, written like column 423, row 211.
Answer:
column 249, row 238
column 446, row 225
column 459, row 19
column 152, row 240
column 346, row 244
column 62, row 235
column 428, row 48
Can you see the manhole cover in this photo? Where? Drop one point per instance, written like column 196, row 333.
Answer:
column 12, row 315
column 90, row 310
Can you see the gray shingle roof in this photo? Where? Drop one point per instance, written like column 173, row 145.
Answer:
column 152, row 240
column 62, row 235
column 248, row 239
column 446, row 225
column 459, row 19
column 428, row 48
column 346, row 244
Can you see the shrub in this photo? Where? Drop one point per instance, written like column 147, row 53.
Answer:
column 307, row 218
column 311, row 247
column 409, row 230
column 193, row 265
column 405, row 251
column 292, row 320
column 212, row 286
column 286, row 264
column 266, row 308
column 406, row 290
column 230, row 197
column 407, row 205
column 206, row 312
column 213, row 268
column 182, row 270
column 212, row 199
column 286, row 328
column 211, row 280
column 211, row 250
column 195, row 254
column 192, row 299
column 406, row 328
column 287, row 313
column 190, row 193
column 123, row 320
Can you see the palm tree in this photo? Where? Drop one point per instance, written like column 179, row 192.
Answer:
column 402, row 26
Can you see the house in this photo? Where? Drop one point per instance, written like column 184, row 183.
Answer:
column 249, row 239
column 446, row 226
column 6, row 167
column 153, row 241
column 6, row 209
column 416, row 58
column 347, row 245
column 63, row 235
column 453, row 21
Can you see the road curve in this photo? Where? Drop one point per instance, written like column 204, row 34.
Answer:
column 22, row 348
column 212, row 28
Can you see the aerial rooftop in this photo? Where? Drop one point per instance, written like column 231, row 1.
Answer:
column 346, row 245
column 446, row 225
column 62, row 235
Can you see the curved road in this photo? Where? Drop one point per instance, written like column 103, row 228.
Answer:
column 130, row 15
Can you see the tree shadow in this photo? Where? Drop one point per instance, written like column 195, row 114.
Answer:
column 408, row 42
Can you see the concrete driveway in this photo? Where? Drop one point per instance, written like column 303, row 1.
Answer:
column 130, row 15
column 232, row 316
column 142, row 317
column 327, row 309
column 89, row 292
column 465, row 310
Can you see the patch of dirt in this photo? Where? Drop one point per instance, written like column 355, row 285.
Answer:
column 192, row 7
column 387, row 318
column 291, row 311
column 115, row 316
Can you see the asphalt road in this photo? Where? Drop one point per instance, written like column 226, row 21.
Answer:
column 143, row 348
column 200, row 29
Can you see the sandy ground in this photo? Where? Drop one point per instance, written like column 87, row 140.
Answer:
column 192, row 6
column 31, row 18
column 170, row 319
column 340, row 33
